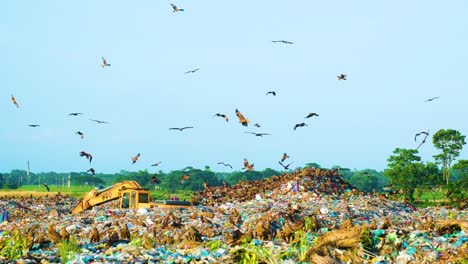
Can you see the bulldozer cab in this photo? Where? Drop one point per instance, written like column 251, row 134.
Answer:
column 132, row 199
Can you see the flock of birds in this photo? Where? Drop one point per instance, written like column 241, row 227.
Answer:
column 242, row 120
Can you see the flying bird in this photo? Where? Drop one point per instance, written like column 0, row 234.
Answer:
column 247, row 166
column 285, row 156
column 134, row 159
column 47, row 187
column 179, row 128
column 92, row 171
column 286, row 167
column 244, row 121
column 104, row 62
column 311, row 115
column 176, row 9
column 34, row 125
column 299, row 125
column 225, row 164
column 87, row 155
column 79, row 133
column 75, row 114
column 99, row 121
column 258, row 134
column 342, row 77
column 223, row 116
column 432, row 99
column 156, row 164
column 257, row 125
column 282, row 41
column 192, row 71
column 13, row 100
column 424, row 139
column 271, row 92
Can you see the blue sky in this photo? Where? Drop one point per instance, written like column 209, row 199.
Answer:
column 396, row 55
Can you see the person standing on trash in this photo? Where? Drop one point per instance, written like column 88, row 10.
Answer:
column 5, row 215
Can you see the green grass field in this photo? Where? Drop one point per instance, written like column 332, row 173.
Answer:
column 80, row 190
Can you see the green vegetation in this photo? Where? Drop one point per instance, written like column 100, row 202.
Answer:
column 14, row 245
column 68, row 249
column 424, row 182
column 450, row 142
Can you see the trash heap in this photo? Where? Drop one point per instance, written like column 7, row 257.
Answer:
column 320, row 220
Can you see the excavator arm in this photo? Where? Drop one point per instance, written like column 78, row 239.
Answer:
column 97, row 197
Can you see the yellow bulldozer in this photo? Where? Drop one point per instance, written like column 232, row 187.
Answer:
column 130, row 195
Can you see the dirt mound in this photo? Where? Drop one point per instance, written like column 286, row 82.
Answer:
column 314, row 180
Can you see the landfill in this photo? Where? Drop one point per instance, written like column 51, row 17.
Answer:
column 307, row 216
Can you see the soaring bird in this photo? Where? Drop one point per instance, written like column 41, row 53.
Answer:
column 285, row 156
column 225, row 164
column 79, row 133
column 155, row 180
column 87, row 155
column 432, row 99
column 13, row 100
column 99, row 121
column 34, row 125
column 176, row 9
column 47, row 187
column 104, row 62
column 134, row 159
column 311, row 115
column 75, row 114
column 271, row 92
column 244, row 121
column 424, row 139
column 257, row 125
column 420, row 133
column 223, row 116
column 179, row 128
column 156, row 164
column 286, row 167
column 247, row 166
column 299, row 125
column 192, row 71
column 341, row 77
column 92, row 171
column 282, row 41
column 258, row 134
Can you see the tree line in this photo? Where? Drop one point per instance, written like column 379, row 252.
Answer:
column 405, row 172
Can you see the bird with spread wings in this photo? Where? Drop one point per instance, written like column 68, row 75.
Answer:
column 104, row 62
column 258, row 134
column 424, row 139
column 87, row 155
column 179, row 128
column 223, row 116
column 244, row 121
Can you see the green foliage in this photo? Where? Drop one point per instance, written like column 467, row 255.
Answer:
column 367, row 180
column 302, row 245
column 450, row 142
column 312, row 165
column 214, row 245
column 405, row 171
column 68, row 249
column 14, row 246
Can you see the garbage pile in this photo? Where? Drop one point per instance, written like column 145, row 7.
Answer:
column 311, row 180
column 320, row 221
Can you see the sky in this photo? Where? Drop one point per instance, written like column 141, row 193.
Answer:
column 396, row 54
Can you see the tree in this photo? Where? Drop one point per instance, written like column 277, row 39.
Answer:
column 450, row 142
column 405, row 171
column 312, row 165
